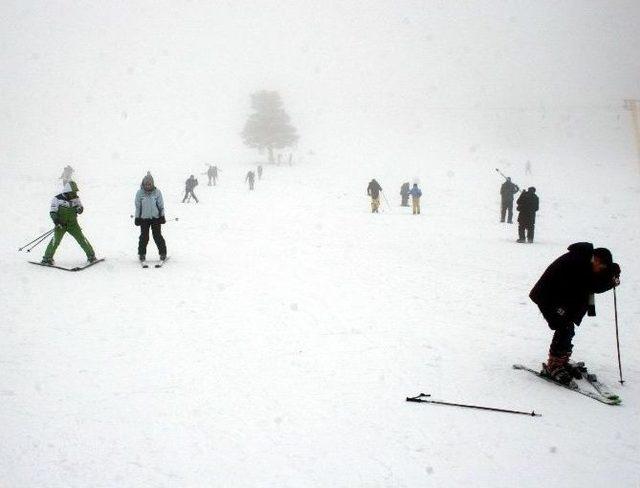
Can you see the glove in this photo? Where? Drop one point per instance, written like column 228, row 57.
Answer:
column 560, row 311
column 615, row 270
column 79, row 210
column 137, row 221
column 162, row 220
column 60, row 225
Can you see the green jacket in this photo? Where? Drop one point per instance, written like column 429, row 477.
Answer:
column 65, row 209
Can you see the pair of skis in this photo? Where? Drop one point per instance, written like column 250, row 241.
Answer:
column 76, row 268
column 159, row 264
column 599, row 392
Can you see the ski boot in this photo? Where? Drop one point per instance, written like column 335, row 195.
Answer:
column 558, row 373
column 92, row 259
column 576, row 370
column 47, row 261
column 142, row 257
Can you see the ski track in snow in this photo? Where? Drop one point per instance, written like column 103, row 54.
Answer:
column 277, row 346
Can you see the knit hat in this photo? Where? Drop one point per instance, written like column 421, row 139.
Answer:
column 604, row 255
column 146, row 180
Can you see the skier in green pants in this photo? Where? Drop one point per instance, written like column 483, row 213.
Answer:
column 65, row 208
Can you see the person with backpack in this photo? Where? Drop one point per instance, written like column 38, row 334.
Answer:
column 565, row 293
column 189, row 186
column 150, row 215
column 64, row 211
column 415, row 193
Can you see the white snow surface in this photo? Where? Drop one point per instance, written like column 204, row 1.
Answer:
column 278, row 345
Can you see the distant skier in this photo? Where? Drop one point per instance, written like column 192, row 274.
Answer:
column 415, row 193
column 373, row 190
column 67, row 174
column 259, row 171
column 528, row 204
column 251, row 178
column 507, row 190
column 212, row 174
column 64, row 212
column 404, row 194
column 564, row 293
column 150, row 215
column 527, row 167
column 189, row 186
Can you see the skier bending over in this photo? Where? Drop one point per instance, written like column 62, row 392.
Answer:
column 564, row 293
column 189, row 185
column 150, row 215
column 64, row 212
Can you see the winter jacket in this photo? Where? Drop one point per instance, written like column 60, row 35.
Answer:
column 149, row 204
column 569, row 281
column 374, row 189
column 65, row 209
column 415, row 192
column 507, row 190
column 191, row 183
column 527, row 206
column 404, row 189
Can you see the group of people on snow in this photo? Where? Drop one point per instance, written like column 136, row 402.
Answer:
column 527, row 205
column 374, row 190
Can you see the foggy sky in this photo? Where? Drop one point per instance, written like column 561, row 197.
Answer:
column 163, row 79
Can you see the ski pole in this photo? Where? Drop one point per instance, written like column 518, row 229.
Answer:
column 501, row 173
column 385, row 199
column 615, row 314
column 170, row 220
column 37, row 238
column 421, row 399
column 40, row 241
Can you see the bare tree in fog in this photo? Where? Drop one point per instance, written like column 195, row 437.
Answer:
column 268, row 127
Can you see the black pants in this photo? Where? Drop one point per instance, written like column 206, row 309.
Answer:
column 156, row 230
column 188, row 193
column 507, row 208
column 563, row 332
column 529, row 228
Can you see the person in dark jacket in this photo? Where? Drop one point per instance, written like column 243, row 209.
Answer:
column 528, row 204
column 564, row 294
column 404, row 194
column 189, row 186
column 373, row 190
column 507, row 190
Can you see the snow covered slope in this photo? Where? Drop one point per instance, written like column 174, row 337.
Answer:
column 277, row 346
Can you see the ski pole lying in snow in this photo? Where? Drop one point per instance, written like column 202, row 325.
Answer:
column 615, row 314
column 40, row 238
column 421, row 398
